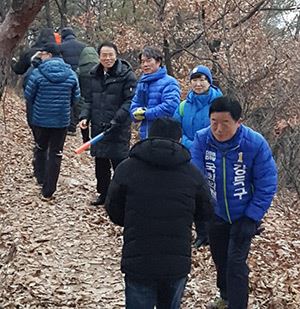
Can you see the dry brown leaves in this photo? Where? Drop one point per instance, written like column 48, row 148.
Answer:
column 63, row 253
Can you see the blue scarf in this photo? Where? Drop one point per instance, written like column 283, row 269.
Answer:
column 144, row 82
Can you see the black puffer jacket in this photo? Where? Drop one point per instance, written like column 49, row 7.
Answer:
column 156, row 194
column 109, row 98
column 70, row 47
column 23, row 64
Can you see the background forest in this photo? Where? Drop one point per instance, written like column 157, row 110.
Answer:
column 64, row 254
column 251, row 46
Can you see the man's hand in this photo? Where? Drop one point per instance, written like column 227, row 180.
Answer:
column 139, row 114
column 244, row 228
column 83, row 124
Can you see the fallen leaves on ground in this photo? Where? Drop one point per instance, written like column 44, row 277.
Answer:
column 65, row 254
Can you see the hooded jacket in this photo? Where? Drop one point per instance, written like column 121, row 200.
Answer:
column 108, row 99
column 159, row 93
column 156, row 194
column 70, row 47
column 51, row 89
column 89, row 58
column 241, row 172
column 195, row 113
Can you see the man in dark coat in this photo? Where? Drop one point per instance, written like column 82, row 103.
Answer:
column 71, row 49
column 156, row 194
column 107, row 107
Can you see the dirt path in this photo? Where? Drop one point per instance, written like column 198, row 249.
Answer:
column 65, row 254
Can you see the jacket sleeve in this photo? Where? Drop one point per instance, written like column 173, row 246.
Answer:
column 86, row 105
column 170, row 100
column 75, row 90
column 204, row 202
column 116, row 198
column 23, row 64
column 264, row 183
column 135, row 102
column 128, row 92
column 197, row 152
column 31, row 87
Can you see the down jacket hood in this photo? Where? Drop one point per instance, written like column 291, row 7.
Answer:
column 55, row 70
column 160, row 152
column 88, row 56
column 68, row 31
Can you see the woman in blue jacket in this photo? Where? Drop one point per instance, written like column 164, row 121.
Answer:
column 192, row 113
column 157, row 94
column 193, row 116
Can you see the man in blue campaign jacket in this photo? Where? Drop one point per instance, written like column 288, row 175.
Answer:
column 242, row 176
column 157, row 94
column 51, row 90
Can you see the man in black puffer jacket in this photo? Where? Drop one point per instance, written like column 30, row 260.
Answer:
column 157, row 194
column 106, row 106
column 70, row 50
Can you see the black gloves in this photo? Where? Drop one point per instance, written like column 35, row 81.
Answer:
column 109, row 127
column 244, row 229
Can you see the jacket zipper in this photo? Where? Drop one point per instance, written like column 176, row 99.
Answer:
column 224, row 189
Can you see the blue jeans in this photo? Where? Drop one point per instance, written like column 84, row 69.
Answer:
column 163, row 293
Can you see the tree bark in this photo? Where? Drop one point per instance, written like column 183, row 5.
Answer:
column 13, row 29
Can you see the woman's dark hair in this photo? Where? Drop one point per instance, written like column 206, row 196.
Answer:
column 107, row 44
column 226, row 104
column 152, row 52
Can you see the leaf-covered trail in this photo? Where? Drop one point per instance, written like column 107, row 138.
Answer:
column 64, row 253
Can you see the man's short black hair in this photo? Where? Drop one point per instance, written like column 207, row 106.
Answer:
column 166, row 127
column 226, row 104
column 152, row 52
column 107, row 44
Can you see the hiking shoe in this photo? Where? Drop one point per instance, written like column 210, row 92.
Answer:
column 99, row 200
column 218, row 303
column 201, row 241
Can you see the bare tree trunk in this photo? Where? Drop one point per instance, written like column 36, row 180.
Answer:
column 12, row 31
column 48, row 15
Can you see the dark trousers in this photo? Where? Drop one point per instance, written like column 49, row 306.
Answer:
column 230, row 255
column 164, row 294
column 48, row 156
column 201, row 229
column 74, row 118
column 103, row 173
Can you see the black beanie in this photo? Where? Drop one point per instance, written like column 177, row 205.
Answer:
column 51, row 48
column 167, row 127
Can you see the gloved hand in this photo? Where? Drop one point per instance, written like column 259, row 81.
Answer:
column 244, row 229
column 139, row 114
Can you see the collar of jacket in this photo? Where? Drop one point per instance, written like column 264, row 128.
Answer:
column 119, row 69
column 148, row 78
column 162, row 152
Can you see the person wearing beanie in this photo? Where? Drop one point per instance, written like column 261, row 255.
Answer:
column 51, row 89
column 156, row 194
column 157, row 94
column 192, row 113
column 20, row 66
